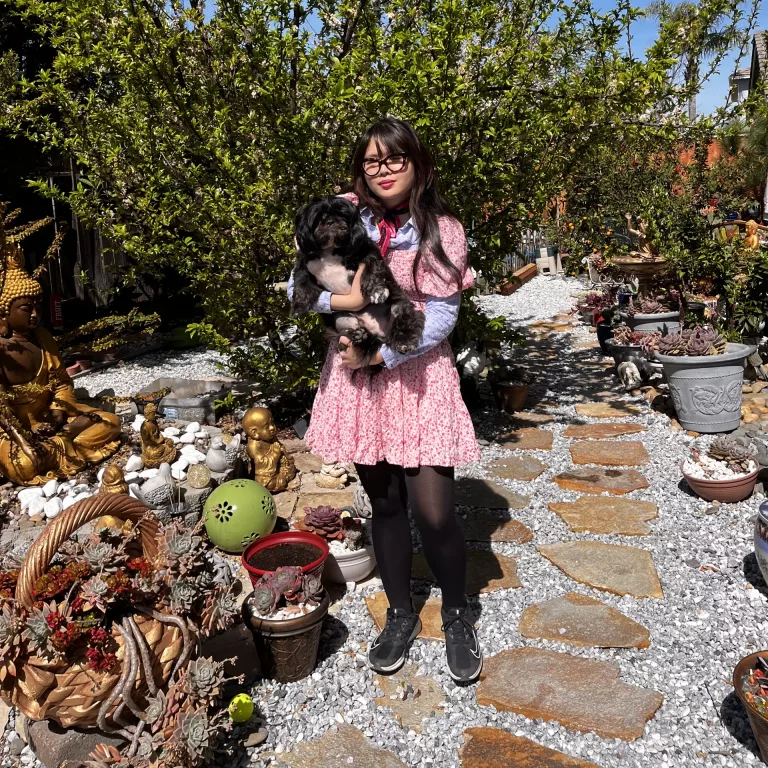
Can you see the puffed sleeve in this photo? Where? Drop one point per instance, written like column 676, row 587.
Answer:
column 433, row 279
column 351, row 196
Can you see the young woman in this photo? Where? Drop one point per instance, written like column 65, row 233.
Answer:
column 406, row 427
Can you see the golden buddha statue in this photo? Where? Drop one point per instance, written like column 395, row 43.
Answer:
column 752, row 240
column 44, row 432
column 272, row 466
column 155, row 449
column 113, row 480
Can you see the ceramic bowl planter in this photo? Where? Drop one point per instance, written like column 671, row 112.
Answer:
column 666, row 322
column 510, row 396
column 727, row 491
column 706, row 389
column 287, row 648
column 758, row 722
column 352, row 564
column 761, row 540
column 307, row 550
column 624, row 353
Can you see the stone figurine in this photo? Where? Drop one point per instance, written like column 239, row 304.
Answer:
column 216, row 458
column 45, row 433
column 645, row 248
column 272, row 466
column 155, row 449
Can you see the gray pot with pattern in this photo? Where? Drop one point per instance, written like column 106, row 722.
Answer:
column 706, row 389
column 666, row 322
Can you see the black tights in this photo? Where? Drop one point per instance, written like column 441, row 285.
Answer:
column 431, row 495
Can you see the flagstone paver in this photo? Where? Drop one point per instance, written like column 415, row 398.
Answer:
column 610, row 515
column 473, row 492
column 529, row 439
column 308, row 462
column 621, row 570
column 486, row 571
column 615, row 453
column 581, row 694
column 595, row 480
column 591, row 344
column 424, row 701
column 580, row 620
column 522, row 467
column 429, row 613
column 494, row 748
column 285, row 503
column 616, row 410
column 532, row 419
column 346, row 747
column 601, row 431
column 547, row 326
column 480, row 526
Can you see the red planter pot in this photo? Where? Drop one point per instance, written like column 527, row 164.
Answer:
column 728, row 491
column 287, row 537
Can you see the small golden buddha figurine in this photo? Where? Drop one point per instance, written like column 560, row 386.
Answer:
column 155, row 449
column 113, row 480
column 272, row 466
column 44, row 432
column 752, row 240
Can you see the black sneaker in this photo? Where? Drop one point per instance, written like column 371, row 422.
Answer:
column 389, row 650
column 465, row 659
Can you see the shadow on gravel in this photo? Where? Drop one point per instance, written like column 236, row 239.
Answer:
column 734, row 718
column 686, row 489
column 753, row 575
column 335, row 634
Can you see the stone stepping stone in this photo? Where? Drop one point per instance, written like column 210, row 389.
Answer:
column 601, row 431
column 603, row 514
column 582, row 621
column 548, row 326
column 308, row 462
column 529, row 439
column 581, row 694
column 429, row 613
column 591, row 344
column 522, row 467
column 486, row 571
column 426, row 700
column 595, row 480
column 619, row 410
column 613, row 568
column 285, row 503
column 494, row 748
column 623, row 453
column 473, row 492
column 479, row 526
column 348, row 746
column 524, row 419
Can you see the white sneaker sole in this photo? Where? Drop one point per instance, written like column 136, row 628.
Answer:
column 467, row 679
column 399, row 663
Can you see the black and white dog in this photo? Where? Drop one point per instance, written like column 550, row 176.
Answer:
column 332, row 244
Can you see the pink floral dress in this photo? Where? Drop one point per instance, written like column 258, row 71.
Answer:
column 411, row 415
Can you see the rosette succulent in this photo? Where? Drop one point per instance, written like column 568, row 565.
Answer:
column 155, row 707
column 96, row 594
column 195, row 734
column 672, row 344
column 265, row 599
column 738, row 457
column 99, row 556
column 182, row 550
column 651, row 307
column 183, row 594
column 285, row 586
column 287, row 581
column 324, row 521
column 621, row 334
column 650, row 342
column 11, row 626
column 311, row 590
column 205, row 679
column 38, row 632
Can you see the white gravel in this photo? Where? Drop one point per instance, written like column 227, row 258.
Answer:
column 710, row 617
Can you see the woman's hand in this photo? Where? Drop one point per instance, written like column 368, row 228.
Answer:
column 352, row 301
column 351, row 360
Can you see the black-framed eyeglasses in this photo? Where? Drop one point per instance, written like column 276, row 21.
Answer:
column 394, row 163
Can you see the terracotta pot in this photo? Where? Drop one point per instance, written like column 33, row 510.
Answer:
column 287, row 537
column 85, row 364
column 756, row 720
column 510, row 396
column 728, row 491
column 287, row 648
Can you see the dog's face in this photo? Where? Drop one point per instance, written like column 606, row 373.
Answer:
column 329, row 226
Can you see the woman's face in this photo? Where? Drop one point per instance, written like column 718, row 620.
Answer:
column 392, row 187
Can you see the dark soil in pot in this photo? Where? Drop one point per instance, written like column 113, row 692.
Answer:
column 270, row 559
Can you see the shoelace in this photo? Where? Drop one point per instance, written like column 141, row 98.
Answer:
column 395, row 628
column 457, row 629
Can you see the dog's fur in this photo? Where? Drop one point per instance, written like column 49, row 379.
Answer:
column 332, row 244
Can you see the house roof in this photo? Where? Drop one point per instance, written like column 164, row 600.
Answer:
column 759, row 65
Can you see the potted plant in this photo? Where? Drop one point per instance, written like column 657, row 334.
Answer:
column 306, row 550
column 510, row 387
column 628, row 346
column 726, row 471
column 750, row 681
column 705, row 375
column 351, row 556
column 761, row 539
column 653, row 315
column 285, row 614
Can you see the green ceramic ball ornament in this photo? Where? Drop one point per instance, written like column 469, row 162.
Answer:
column 237, row 513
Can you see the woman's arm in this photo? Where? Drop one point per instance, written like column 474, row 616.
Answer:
column 328, row 302
column 323, row 303
column 440, row 315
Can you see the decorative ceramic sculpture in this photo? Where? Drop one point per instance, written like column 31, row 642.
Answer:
column 113, row 480
column 645, row 248
column 272, row 465
column 44, row 432
column 155, row 449
column 237, row 513
column 752, row 241
column 157, row 492
column 216, row 458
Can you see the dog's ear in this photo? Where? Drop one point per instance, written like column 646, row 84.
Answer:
column 306, row 221
column 358, row 237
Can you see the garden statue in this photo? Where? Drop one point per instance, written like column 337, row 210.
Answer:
column 752, row 240
column 44, row 432
column 155, row 449
column 645, row 248
column 113, row 480
column 272, row 465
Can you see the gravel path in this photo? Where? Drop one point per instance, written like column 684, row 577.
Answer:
column 709, row 618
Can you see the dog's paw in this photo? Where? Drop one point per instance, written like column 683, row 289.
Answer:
column 358, row 335
column 379, row 295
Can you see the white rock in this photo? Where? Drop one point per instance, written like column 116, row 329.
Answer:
column 181, row 463
column 35, row 506
column 25, row 495
column 190, row 450
column 68, row 502
column 201, row 435
column 148, row 474
column 50, row 488
column 80, row 488
column 132, row 477
column 179, row 474
column 192, row 460
column 83, row 495
column 53, row 507
column 66, row 487
column 100, row 474
column 132, row 491
column 171, row 432
column 175, row 439
column 134, row 463
column 188, row 438
column 193, row 427
column 137, row 422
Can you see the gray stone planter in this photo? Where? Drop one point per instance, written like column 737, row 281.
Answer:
column 706, row 390
column 666, row 322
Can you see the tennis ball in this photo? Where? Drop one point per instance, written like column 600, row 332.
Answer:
column 241, row 708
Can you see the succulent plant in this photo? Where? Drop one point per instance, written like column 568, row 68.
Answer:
column 265, row 599
column 287, row 580
column 651, row 307
column 325, row 521
column 205, row 679
column 672, row 344
column 183, row 594
column 98, row 556
column 284, row 586
column 155, row 707
column 621, row 334
column 181, row 549
column 353, row 537
column 195, row 733
column 650, row 342
column 737, row 456
column 311, row 589
column 11, row 626
column 96, row 593
column 38, row 633
column 182, row 543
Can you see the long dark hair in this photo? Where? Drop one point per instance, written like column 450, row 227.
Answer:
column 426, row 203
